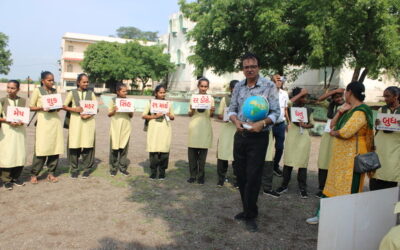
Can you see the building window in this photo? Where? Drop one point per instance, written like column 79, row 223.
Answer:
column 70, row 83
column 70, row 48
column 70, row 68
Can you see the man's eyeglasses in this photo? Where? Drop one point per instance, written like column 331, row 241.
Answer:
column 250, row 67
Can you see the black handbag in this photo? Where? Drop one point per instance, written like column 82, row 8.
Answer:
column 364, row 163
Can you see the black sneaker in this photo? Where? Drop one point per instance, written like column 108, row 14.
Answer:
column 277, row 172
column 191, row 180
column 161, row 177
column 200, row 181
column 220, row 183
column 74, row 175
column 85, row 175
column 251, row 225
column 303, row 194
column 17, row 182
column 240, row 216
column 153, row 176
column 235, row 185
column 113, row 173
column 124, row 173
column 8, row 185
column 272, row 193
column 282, row 190
column 319, row 194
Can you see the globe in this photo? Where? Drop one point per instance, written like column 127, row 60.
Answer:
column 255, row 108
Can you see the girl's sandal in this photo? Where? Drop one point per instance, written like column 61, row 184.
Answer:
column 52, row 178
column 34, row 180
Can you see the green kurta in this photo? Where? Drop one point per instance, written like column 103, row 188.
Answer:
column 226, row 137
column 120, row 129
column 12, row 141
column 159, row 133
column 81, row 132
column 271, row 148
column 297, row 146
column 325, row 151
column 388, row 149
column 200, row 130
column 49, row 133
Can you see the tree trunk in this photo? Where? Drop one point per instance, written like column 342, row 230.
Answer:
column 356, row 74
column 363, row 75
column 331, row 77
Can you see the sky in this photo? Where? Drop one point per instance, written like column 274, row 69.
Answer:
column 35, row 27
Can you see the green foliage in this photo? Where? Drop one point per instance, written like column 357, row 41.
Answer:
column 310, row 34
column 5, row 55
column 113, row 62
column 135, row 33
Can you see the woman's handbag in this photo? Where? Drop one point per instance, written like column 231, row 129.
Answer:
column 364, row 163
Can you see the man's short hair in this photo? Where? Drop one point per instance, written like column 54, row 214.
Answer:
column 249, row 55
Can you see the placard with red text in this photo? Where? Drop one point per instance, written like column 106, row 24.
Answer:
column 159, row 106
column 17, row 114
column 298, row 114
column 53, row 101
column 388, row 122
column 89, row 107
column 201, row 101
column 125, row 105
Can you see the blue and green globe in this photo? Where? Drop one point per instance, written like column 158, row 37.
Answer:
column 255, row 108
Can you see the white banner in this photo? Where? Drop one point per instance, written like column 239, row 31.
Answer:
column 298, row 114
column 388, row 122
column 201, row 101
column 18, row 114
column 125, row 105
column 159, row 106
column 89, row 107
column 53, row 101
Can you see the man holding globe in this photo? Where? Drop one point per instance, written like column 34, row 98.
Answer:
column 248, row 110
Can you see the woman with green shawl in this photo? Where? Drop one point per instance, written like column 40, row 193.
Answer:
column 353, row 121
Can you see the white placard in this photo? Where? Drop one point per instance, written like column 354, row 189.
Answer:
column 18, row 114
column 89, row 107
column 328, row 126
column 51, row 102
column 159, row 106
column 125, row 105
column 201, row 101
column 356, row 221
column 388, row 122
column 226, row 114
column 298, row 114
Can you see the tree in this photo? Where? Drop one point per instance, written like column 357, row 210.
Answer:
column 5, row 55
column 317, row 34
column 135, row 33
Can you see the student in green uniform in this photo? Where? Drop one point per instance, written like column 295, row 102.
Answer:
column 159, row 135
column 81, row 136
column 12, row 139
column 120, row 132
column 49, row 142
column 200, row 135
column 325, row 147
column 387, row 145
column 297, row 145
column 225, row 140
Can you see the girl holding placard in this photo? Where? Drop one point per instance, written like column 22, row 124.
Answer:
column 387, row 144
column 200, row 133
column 81, row 136
column 120, row 132
column 325, row 147
column 298, row 142
column 12, row 139
column 49, row 135
column 225, row 140
column 159, row 132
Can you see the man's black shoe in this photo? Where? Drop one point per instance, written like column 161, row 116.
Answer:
column 240, row 216
column 191, row 180
column 251, row 225
column 74, row 175
column 8, row 185
column 85, row 175
column 17, row 182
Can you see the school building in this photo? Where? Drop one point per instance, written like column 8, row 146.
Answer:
column 73, row 46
